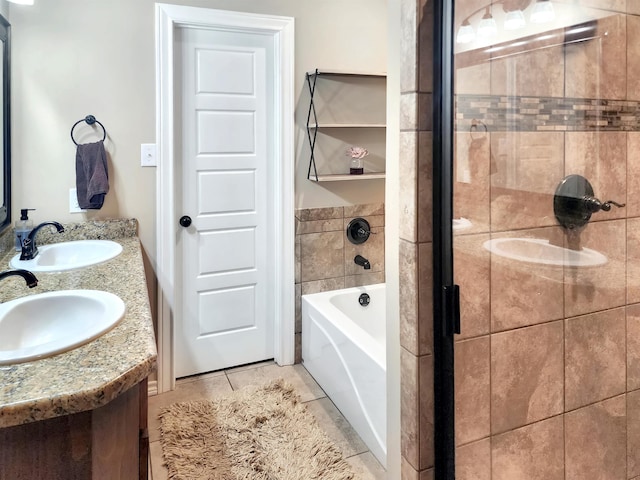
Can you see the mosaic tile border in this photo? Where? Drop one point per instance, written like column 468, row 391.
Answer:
column 501, row 113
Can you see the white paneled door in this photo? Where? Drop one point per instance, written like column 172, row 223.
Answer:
column 226, row 84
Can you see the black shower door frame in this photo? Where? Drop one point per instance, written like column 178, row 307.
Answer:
column 446, row 304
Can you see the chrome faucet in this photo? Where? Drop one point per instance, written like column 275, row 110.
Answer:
column 363, row 262
column 29, row 248
column 29, row 277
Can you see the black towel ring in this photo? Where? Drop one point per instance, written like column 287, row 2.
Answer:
column 90, row 120
column 478, row 129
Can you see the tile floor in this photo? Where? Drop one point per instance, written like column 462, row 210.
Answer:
column 218, row 383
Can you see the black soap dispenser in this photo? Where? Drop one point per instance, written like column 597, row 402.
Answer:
column 23, row 227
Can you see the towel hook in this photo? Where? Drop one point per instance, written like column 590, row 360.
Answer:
column 90, row 120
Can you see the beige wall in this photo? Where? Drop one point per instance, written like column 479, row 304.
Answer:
column 77, row 57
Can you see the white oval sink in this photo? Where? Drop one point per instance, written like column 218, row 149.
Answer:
column 536, row 250
column 42, row 325
column 461, row 223
column 57, row 257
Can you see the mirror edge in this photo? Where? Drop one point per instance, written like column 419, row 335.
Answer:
column 5, row 207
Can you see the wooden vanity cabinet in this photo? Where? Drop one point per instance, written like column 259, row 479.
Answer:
column 108, row 443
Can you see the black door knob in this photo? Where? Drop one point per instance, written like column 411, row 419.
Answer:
column 185, row 220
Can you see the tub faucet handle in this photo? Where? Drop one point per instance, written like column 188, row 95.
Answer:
column 606, row 206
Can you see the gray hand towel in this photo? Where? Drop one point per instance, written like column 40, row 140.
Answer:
column 92, row 177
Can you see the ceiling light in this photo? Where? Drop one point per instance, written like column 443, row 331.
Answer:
column 514, row 20
column 466, row 33
column 22, row 2
column 543, row 12
column 487, row 27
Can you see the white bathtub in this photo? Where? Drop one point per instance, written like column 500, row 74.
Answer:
column 343, row 348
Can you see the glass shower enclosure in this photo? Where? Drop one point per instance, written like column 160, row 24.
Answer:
column 546, row 239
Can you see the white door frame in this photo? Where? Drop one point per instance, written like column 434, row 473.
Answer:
column 169, row 17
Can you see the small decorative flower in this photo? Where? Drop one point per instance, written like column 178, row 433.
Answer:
column 357, row 152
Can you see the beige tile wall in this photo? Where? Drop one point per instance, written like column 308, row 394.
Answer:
column 324, row 255
column 548, row 362
column 416, row 306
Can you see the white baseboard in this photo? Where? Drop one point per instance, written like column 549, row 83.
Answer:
column 153, row 388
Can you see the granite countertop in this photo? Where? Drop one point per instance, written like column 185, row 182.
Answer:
column 91, row 375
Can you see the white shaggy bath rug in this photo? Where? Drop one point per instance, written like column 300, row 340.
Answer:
column 258, row 433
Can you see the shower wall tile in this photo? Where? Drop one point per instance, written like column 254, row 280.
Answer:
column 310, row 214
column 633, row 55
column 633, row 434
column 325, row 285
column 408, row 199
column 633, row 347
column 425, row 187
column 298, row 308
column 595, row 442
column 526, row 169
column 600, row 157
column 364, row 210
column 538, row 297
column 415, row 233
column 559, row 111
column 538, row 114
column 425, row 107
column 633, row 260
column 409, row 327
column 471, row 186
column 472, row 375
column 317, row 226
column 593, row 289
column 473, row 461
column 321, row 241
column 473, row 79
column 472, row 267
column 633, row 174
column 409, row 45
column 372, row 249
column 607, row 5
column 535, row 73
column 409, row 409
column 595, row 357
column 427, row 474
column 297, row 272
column 407, row 471
column 425, row 45
column 322, row 255
column 425, row 298
column 534, row 452
column 409, row 111
column 597, row 69
column 526, row 376
column 364, row 279
column 425, row 387
column 297, row 355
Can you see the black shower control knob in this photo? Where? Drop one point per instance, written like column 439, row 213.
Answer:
column 185, row 220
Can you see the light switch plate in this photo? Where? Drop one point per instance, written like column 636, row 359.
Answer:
column 74, row 206
column 148, row 154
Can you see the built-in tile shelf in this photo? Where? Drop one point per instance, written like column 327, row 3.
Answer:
column 342, row 177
